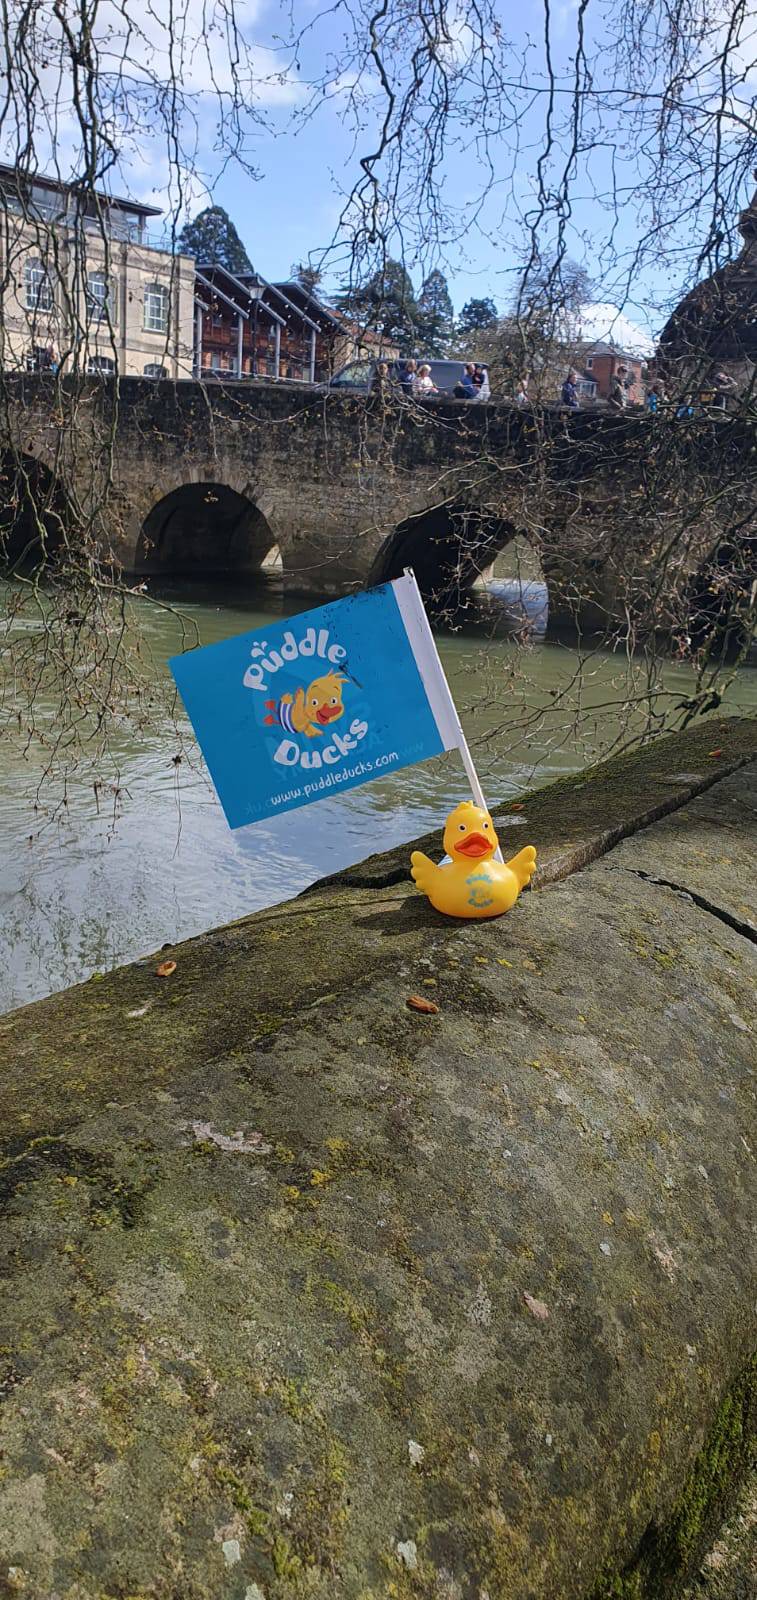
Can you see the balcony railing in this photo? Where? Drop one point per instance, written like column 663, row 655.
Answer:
column 112, row 224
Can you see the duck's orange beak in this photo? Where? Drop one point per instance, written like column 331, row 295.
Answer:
column 326, row 714
column 475, row 846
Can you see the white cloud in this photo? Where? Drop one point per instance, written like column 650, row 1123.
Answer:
column 605, row 321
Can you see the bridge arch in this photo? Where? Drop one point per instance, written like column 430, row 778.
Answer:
column 209, row 528
column 449, row 549
column 33, row 513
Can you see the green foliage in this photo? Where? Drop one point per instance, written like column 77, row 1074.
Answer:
column 477, row 316
column 212, row 238
column 435, row 316
column 386, row 305
column 670, row 1554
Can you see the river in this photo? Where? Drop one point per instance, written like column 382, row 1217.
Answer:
column 107, row 881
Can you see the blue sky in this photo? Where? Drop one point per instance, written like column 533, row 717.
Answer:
column 306, row 162
column 294, row 207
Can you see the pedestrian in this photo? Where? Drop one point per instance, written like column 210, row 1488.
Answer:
column 381, row 378
column 569, row 394
column 423, row 384
column 655, row 398
column 618, row 396
column 465, row 388
column 522, row 397
column 481, row 382
column 407, row 376
column 723, row 385
column 686, row 408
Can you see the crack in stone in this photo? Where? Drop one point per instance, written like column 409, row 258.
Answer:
column 745, row 928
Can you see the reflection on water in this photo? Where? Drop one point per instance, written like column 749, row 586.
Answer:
column 94, row 889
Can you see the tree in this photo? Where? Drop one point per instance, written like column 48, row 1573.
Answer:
column 307, row 277
column 477, row 316
column 212, row 237
column 435, row 315
column 385, row 305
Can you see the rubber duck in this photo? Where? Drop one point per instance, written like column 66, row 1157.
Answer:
column 472, row 883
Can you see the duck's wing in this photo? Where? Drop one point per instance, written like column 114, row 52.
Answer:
column 423, row 870
column 523, row 866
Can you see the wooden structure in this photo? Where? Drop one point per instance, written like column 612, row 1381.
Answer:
column 246, row 327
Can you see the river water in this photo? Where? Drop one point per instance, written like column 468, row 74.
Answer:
column 109, row 880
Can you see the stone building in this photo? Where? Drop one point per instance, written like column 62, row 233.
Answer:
column 716, row 324
column 85, row 286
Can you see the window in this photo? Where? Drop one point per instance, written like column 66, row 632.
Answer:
column 102, row 298
column 156, row 308
column 39, row 291
column 101, row 365
column 589, row 363
column 217, row 319
column 154, row 370
column 41, row 358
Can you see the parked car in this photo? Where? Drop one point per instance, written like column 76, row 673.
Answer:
column 358, row 376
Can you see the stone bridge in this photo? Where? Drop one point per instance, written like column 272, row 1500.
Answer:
column 341, row 492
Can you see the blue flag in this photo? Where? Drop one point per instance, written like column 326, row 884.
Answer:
column 324, row 701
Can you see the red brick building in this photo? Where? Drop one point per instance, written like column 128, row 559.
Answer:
column 598, row 364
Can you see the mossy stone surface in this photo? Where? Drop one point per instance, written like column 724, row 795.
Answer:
column 268, row 1236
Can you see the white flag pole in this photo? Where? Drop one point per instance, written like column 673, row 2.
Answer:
column 413, row 612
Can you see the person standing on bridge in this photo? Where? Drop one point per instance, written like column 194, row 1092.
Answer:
column 570, row 392
column 481, row 382
column 408, row 376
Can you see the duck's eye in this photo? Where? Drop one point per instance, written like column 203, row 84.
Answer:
column 486, row 824
column 461, row 826
column 334, row 700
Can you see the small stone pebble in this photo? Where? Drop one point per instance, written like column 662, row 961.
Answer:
column 407, row 1550
column 605, row 1248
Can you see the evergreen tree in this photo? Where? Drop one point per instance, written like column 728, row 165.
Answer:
column 477, row 316
column 212, row 238
column 435, row 315
column 385, row 304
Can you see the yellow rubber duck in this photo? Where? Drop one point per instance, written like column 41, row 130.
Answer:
column 472, row 883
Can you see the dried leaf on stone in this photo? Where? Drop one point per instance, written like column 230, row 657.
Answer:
column 418, row 1002
column 165, row 968
column 536, row 1307
column 714, row 752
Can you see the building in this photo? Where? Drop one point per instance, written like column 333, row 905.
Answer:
column 85, row 286
column 246, row 327
column 597, row 363
column 715, row 326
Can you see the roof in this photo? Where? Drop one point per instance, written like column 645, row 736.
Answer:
column 22, row 178
column 600, row 347
column 236, row 294
column 295, row 291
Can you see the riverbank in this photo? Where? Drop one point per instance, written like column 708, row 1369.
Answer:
column 311, row 1294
